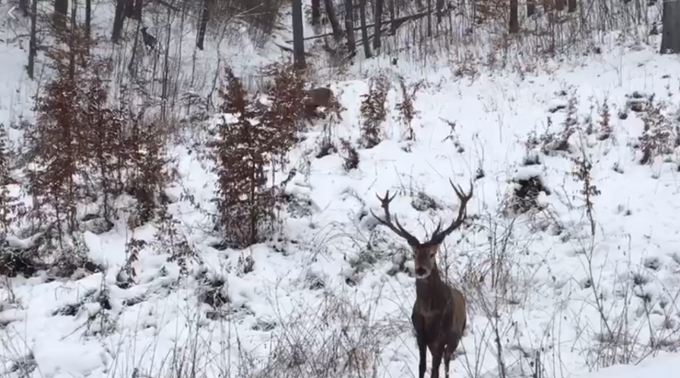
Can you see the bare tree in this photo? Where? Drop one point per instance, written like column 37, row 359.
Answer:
column 514, row 17
column 670, row 39
column 60, row 12
column 364, row 28
column 571, row 6
column 88, row 19
column 205, row 16
column 139, row 5
column 298, row 36
column 377, row 23
column 333, row 19
column 531, row 7
column 118, row 20
column 316, row 12
column 32, row 46
column 349, row 25
column 23, row 7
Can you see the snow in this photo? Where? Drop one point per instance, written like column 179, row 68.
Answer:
column 336, row 278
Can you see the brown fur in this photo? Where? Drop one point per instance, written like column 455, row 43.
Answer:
column 439, row 314
column 439, row 317
column 319, row 97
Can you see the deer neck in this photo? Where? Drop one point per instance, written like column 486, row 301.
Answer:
column 427, row 288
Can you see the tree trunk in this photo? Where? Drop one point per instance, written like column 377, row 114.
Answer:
column 129, row 8
column 364, row 28
column 298, row 36
column 72, row 42
column 393, row 15
column 316, row 12
column 514, row 17
column 531, row 8
column 559, row 5
column 118, row 20
column 60, row 12
column 139, row 5
column 571, row 6
column 205, row 17
column 32, row 45
column 333, row 19
column 23, row 7
column 377, row 17
column 349, row 26
column 440, row 11
column 429, row 18
column 88, row 20
column 670, row 38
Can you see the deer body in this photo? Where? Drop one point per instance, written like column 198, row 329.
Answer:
column 439, row 314
column 439, row 319
column 319, row 97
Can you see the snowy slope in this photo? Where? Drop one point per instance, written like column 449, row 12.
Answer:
column 336, row 293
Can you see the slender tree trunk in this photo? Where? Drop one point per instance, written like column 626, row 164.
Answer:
column 118, row 20
column 88, row 20
column 316, row 12
column 129, row 8
column 349, row 26
column 514, row 17
column 333, row 19
column 670, row 38
column 364, row 28
column 429, row 18
column 60, row 12
column 139, row 5
column 440, row 11
column 298, row 36
column 23, row 7
column 377, row 17
column 32, row 46
column 205, row 16
column 72, row 41
column 393, row 15
column 571, row 6
column 531, row 7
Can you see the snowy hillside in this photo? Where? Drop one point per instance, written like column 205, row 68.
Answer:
column 564, row 272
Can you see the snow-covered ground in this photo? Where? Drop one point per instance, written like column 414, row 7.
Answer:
column 334, row 296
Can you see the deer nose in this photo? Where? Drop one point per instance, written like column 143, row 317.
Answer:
column 421, row 271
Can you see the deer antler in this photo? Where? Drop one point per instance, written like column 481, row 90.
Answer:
column 398, row 229
column 438, row 235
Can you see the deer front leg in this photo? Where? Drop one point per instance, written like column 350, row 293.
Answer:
column 422, row 349
column 437, row 353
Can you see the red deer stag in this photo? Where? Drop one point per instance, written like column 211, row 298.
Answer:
column 439, row 314
column 319, row 97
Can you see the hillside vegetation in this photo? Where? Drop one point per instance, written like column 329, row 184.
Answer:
column 175, row 212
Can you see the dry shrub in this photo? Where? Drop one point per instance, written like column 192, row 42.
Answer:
column 350, row 159
column 82, row 150
column 336, row 339
column 606, row 129
column 374, row 111
column 406, row 109
column 659, row 137
column 250, row 141
column 10, row 207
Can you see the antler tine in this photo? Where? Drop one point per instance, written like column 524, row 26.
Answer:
column 438, row 235
column 398, row 229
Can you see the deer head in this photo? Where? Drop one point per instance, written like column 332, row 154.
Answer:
column 424, row 253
